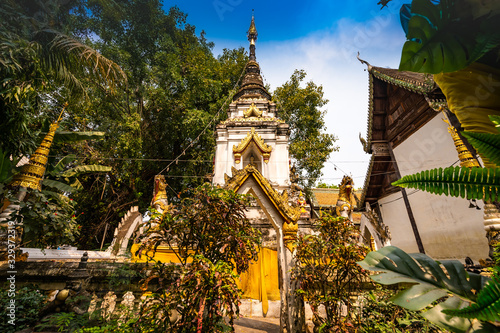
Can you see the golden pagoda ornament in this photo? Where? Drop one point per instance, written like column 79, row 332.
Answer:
column 465, row 156
column 31, row 174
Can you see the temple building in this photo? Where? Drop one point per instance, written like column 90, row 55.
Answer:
column 409, row 130
column 252, row 158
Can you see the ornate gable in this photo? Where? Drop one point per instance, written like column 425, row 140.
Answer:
column 279, row 201
column 254, row 137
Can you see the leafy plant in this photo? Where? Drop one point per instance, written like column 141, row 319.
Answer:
column 487, row 144
column 431, row 281
column 379, row 314
column 448, row 35
column 212, row 238
column 28, row 302
column 487, row 307
column 64, row 322
column 327, row 273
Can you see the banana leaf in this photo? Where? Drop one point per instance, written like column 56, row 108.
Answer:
column 63, row 136
column 85, row 169
column 59, row 168
column 58, row 185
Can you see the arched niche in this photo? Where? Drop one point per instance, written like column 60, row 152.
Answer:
column 252, row 155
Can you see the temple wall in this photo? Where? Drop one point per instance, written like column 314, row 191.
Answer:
column 276, row 170
column 447, row 226
column 394, row 215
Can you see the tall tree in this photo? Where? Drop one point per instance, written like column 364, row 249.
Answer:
column 175, row 89
column 301, row 107
column 41, row 66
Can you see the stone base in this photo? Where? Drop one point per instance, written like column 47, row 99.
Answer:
column 253, row 308
column 70, row 253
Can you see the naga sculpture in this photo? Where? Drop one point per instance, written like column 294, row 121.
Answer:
column 344, row 207
column 160, row 200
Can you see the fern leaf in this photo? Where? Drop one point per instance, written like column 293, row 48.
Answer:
column 487, row 307
column 488, row 145
column 475, row 183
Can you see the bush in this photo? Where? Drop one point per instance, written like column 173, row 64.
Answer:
column 28, row 301
column 379, row 314
column 212, row 238
column 327, row 273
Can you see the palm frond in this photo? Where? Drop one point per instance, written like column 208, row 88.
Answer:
column 475, row 183
column 68, row 59
column 106, row 70
column 487, row 145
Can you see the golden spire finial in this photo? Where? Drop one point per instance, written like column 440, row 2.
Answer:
column 465, row 156
column 31, row 174
column 252, row 37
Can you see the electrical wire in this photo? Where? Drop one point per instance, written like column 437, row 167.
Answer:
column 167, row 168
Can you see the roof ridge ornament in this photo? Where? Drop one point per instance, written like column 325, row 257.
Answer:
column 364, row 62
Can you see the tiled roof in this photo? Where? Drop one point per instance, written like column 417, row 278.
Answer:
column 327, row 197
column 417, row 82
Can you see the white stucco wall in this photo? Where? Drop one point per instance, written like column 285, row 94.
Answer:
column 447, row 226
column 394, row 215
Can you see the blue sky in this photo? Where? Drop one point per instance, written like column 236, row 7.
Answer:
column 322, row 37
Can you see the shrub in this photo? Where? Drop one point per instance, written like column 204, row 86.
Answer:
column 28, row 301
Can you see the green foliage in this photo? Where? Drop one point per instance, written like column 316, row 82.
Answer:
column 326, row 270
column 431, row 281
column 495, row 120
column 210, row 222
column 487, row 145
column 449, row 35
column 199, row 300
column 379, row 314
column 301, row 107
column 487, row 306
column 474, row 183
column 66, row 136
column 62, row 321
column 29, row 301
column 211, row 237
column 48, row 218
column 5, row 167
column 42, row 67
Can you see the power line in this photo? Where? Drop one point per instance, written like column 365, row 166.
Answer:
column 206, row 127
